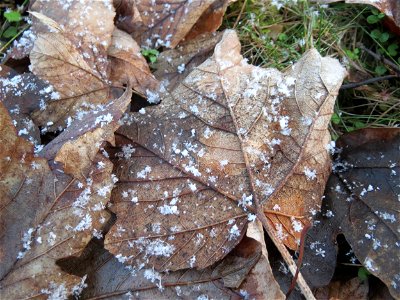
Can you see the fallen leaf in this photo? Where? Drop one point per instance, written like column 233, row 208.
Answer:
column 45, row 215
column 230, row 137
column 128, row 64
column 109, row 278
column 210, row 20
column 362, row 202
column 22, row 94
column 79, row 143
column 173, row 65
column 260, row 282
column 351, row 289
column 77, row 84
column 160, row 23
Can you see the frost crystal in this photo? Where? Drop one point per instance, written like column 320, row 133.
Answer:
column 234, row 232
column 310, row 174
column 168, row 209
column 143, row 174
column 103, row 120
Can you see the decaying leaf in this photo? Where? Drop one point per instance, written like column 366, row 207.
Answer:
column 109, row 278
column 44, row 215
column 229, row 138
column 77, row 146
column 351, row 289
column 260, row 282
column 210, row 20
column 362, row 202
column 22, row 94
column 77, row 84
column 159, row 23
column 128, row 65
column 174, row 65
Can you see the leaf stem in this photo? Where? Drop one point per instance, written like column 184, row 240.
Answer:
column 305, row 289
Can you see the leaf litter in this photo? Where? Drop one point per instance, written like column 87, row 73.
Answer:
column 187, row 180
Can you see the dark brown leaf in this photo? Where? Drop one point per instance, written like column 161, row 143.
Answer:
column 363, row 202
column 159, row 23
column 109, row 278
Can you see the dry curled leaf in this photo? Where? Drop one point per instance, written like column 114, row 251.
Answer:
column 159, row 23
column 128, row 64
column 45, row 215
column 230, row 137
column 260, row 283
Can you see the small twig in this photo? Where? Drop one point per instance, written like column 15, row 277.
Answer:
column 379, row 57
column 240, row 14
column 368, row 81
column 305, row 289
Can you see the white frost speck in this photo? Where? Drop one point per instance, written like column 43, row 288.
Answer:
column 310, row 174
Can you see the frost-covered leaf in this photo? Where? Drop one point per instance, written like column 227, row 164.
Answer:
column 45, row 215
column 21, row 94
column 77, row 146
column 174, row 65
column 363, row 202
column 108, row 277
column 77, row 83
column 164, row 23
column 128, row 64
column 91, row 23
column 229, row 137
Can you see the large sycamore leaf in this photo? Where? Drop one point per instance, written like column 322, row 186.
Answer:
column 229, row 138
column 56, row 59
column 45, row 215
column 166, row 23
column 362, row 202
